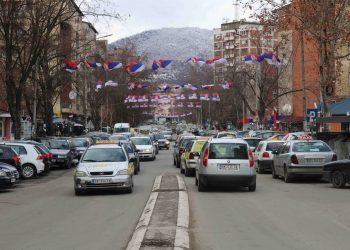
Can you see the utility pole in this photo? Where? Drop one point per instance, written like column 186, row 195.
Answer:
column 303, row 82
column 34, row 122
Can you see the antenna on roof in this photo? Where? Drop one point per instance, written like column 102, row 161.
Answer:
column 236, row 7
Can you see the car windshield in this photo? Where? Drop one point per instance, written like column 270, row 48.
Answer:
column 141, row 141
column 228, row 151
column 80, row 143
column 198, row 146
column 128, row 148
column 311, row 147
column 104, row 155
column 118, row 138
column 273, row 146
column 253, row 142
column 57, row 144
column 226, row 135
column 159, row 136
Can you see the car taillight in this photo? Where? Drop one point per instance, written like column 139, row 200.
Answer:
column 335, row 157
column 45, row 156
column 205, row 157
column 191, row 156
column 294, row 159
column 39, row 157
column 251, row 159
column 266, row 155
column 16, row 159
column 50, row 156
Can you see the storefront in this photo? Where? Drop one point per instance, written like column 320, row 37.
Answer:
column 5, row 126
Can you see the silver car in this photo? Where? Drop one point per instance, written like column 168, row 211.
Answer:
column 104, row 167
column 226, row 162
column 300, row 158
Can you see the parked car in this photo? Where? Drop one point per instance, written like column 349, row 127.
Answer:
column 154, row 142
column 168, row 135
column 63, row 152
column 162, row 142
column 297, row 136
column 145, row 146
column 8, row 175
column 252, row 142
column 267, row 134
column 263, row 156
column 44, row 151
column 80, row 145
column 301, row 158
column 104, row 166
column 241, row 134
column 179, row 147
column 97, row 136
column 133, row 153
column 119, row 138
column 32, row 159
column 190, row 156
column 337, row 172
column 277, row 137
column 225, row 135
column 9, row 156
column 226, row 162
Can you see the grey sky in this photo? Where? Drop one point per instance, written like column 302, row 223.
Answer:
column 147, row 14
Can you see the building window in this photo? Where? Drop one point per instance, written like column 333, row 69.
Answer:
column 2, row 131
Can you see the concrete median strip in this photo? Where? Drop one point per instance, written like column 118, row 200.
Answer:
column 165, row 219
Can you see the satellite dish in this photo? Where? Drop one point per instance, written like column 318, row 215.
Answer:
column 72, row 95
column 287, row 109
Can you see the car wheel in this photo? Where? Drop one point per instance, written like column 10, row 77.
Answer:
column 252, row 187
column 69, row 165
column 178, row 164
column 201, row 186
column 130, row 189
column 273, row 171
column 135, row 170
column 174, row 162
column 196, row 181
column 182, row 171
column 338, row 179
column 28, row 171
column 154, row 157
column 78, row 192
column 287, row 178
column 187, row 172
column 260, row 170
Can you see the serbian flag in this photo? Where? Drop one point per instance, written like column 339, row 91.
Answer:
column 155, row 65
column 92, row 64
column 209, row 86
column 190, row 105
column 177, row 86
column 215, row 97
column 132, row 86
column 133, row 98
column 111, row 65
column 192, row 97
column 227, row 85
column 154, row 98
column 99, row 85
column 204, row 97
column 165, row 63
column 134, row 67
column 142, row 98
column 111, row 83
column 71, row 66
column 249, row 59
column 200, row 61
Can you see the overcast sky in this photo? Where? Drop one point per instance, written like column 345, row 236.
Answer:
column 141, row 15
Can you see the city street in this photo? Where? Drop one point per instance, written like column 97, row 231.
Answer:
column 43, row 213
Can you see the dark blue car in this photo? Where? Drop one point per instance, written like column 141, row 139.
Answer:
column 8, row 175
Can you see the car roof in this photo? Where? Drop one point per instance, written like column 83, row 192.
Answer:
column 105, row 146
column 227, row 140
column 140, row 137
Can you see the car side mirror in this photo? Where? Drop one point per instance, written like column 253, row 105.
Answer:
column 137, row 150
column 133, row 160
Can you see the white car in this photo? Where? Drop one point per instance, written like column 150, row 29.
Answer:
column 297, row 136
column 104, row 166
column 226, row 135
column 31, row 159
column 263, row 156
column 145, row 147
column 226, row 162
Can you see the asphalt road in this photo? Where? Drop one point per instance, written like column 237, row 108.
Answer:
column 44, row 213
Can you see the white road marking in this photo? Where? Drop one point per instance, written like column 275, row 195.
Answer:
column 182, row 239
column 141, row 228
column 181, row 183
column 157, row 182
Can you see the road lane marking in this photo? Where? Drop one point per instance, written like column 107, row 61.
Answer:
column 141, row 228
column 181, row 183
column 157, row 182
column 182, row 240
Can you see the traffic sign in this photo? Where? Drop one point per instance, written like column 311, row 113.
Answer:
column 311, row 114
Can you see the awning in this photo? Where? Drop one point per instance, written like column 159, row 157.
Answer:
column 333, row 119
column 340, row 108
column 5, row 115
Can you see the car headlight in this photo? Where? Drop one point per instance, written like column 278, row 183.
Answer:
column 2, row 173
column 80, row 174
column 123, row 172
column 167, row 142
column 147, row 150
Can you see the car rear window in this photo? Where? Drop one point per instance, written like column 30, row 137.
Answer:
column 198, row 146
column 311, row 147
column 273, row 146
column 104, row 155
column 252, row 142
column 228, row 151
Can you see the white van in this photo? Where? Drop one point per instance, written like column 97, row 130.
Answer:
column 121, row 128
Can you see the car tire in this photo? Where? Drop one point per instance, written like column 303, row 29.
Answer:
column 273, row 172
column 196, row 181
column 187, row 172
column 260, row 170
column 338, row 179
column 28, row 171
column 182, row 171
column 201, row 187
column 69, row 165
column 286, row 177
column 178, row 164
column 135, row 170
column 130, row 189
column 78, row 192
column 174, row 162
column 252, row 187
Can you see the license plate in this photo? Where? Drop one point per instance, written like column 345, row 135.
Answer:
column 13, row 180
column 316, row 160
column 101, row 181
column 228, row 167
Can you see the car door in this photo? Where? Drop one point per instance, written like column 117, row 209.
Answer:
column 257, row 152
column 186, row 153
column 5, row 156
column 277, row 159
column 283, row 157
